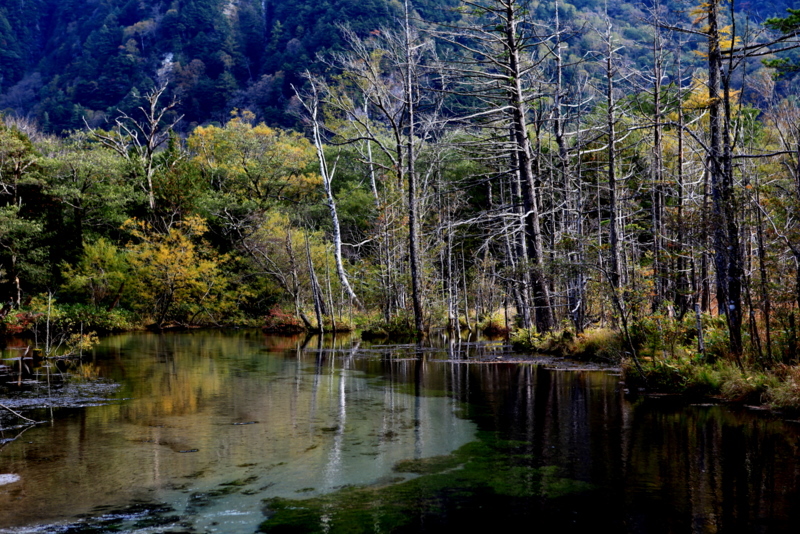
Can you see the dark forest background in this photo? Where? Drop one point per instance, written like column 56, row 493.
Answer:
column 66, row 61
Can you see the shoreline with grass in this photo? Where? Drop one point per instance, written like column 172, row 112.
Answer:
column 657, row 354
column 660, row 360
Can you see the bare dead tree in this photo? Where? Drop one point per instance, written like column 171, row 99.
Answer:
column 139, row 140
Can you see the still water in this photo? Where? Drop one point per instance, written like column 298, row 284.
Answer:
column 235, row 431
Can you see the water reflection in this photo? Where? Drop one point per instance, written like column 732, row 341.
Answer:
column 211, row 423
column 198, row 411
column 659, row 465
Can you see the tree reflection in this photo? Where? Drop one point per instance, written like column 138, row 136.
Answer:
column 287, row 416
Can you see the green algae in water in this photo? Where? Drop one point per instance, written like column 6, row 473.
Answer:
column 475, row 485
column 428, row 466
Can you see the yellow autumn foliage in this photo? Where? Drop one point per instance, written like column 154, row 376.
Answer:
column 256, row 162
column 279, row 248
column 178, row 275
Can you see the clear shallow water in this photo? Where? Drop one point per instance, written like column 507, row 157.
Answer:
column 208, row 425
column 200, row 412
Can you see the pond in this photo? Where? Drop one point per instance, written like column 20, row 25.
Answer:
column 236, row 431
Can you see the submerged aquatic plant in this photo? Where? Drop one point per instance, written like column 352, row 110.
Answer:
column 476, row 482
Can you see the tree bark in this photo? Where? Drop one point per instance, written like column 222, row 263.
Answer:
column 411, row 177
column 727, row 253
column 541, row 292
column 312, row 107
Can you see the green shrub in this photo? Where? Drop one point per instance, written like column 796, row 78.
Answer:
column 100, row 320
column 665, row 376
column 704, row 380
column 526, row 340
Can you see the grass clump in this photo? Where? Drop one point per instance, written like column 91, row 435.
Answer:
column 397, row 328
column 689, row 356
column 600, row 344
column 777, row 388
column 494, row 325
column 782, row 391
column 687, row 375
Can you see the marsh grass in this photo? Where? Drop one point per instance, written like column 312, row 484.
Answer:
column 600, row 344
column 777, row 388
column 398, row 328
column 671, row 360
column 494, row 324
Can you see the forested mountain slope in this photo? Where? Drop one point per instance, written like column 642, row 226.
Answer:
column 63, row 60
column 66, row 61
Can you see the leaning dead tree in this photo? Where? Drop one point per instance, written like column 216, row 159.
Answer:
column 311, row 104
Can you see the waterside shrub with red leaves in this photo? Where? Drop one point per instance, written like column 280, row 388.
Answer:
column 278, row 321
